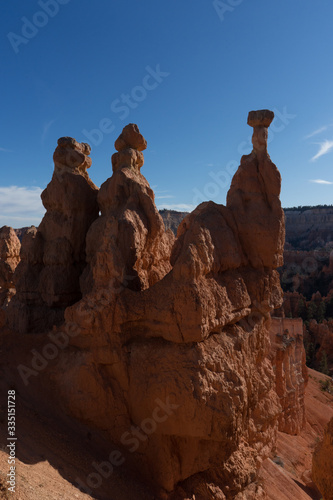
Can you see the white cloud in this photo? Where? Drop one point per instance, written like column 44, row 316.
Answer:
column 164, row 196
column 316, row 132
column 6, row 150
column 180, row 207
column 324, row 148
column 20, row 206
column 320, row 181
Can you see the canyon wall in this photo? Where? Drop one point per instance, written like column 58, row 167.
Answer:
column 310, row 228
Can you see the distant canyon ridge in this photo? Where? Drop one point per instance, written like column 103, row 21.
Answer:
column 306, row 227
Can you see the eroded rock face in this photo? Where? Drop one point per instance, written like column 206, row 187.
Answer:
column 288, row 359
column 9, row 258
column 53, row 256
column 172, row 356
column 253, row 199
column 322, row 465
column 127, row 246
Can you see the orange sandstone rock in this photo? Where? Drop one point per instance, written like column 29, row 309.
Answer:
column 53, row 256
column 177, row 352
column 9, row 258
column 168, row 351
column 322, row 465
column 288, row 359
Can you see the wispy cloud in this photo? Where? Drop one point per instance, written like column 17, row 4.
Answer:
column 20, row 206
column 6, row 150
column 46, row 128
column 164, row 196
column 320, row 181
column 324, row 148
column 180, row 207
column 317, row 131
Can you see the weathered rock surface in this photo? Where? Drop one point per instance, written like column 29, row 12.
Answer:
column 9, row 259
column 127, row 246
column 172, row 356
column 167, row 341
column 322, row 467
column 254, row 196
column 53, row 256
column 288, row 359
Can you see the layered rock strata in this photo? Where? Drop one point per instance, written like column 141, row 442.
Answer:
column 53, row 256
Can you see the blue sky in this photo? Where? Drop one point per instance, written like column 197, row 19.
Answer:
column 186, row 72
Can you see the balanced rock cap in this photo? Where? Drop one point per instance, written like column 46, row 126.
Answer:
column 70, row 142
column 260, row 118
column 131, row 138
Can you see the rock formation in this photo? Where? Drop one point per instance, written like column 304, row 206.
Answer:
column 127, row 246
column 288, row 359
column 9, row 259
column 170, row 358
column 322, row 466
column 53, row 256
column 166, row 341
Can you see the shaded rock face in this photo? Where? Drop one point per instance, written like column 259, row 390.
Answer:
column 170, row 353
column 321, row 337
column 288, row 359
column 322, row 465
column 9, row 258
column 53, row 256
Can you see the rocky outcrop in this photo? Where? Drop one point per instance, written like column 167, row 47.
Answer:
column 288, row 359
column 169, row 358
column 127, row 246
column 322, row 465
column 53, row 256
column 9, row 259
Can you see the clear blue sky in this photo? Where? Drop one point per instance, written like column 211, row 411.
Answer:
column 214, row 63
